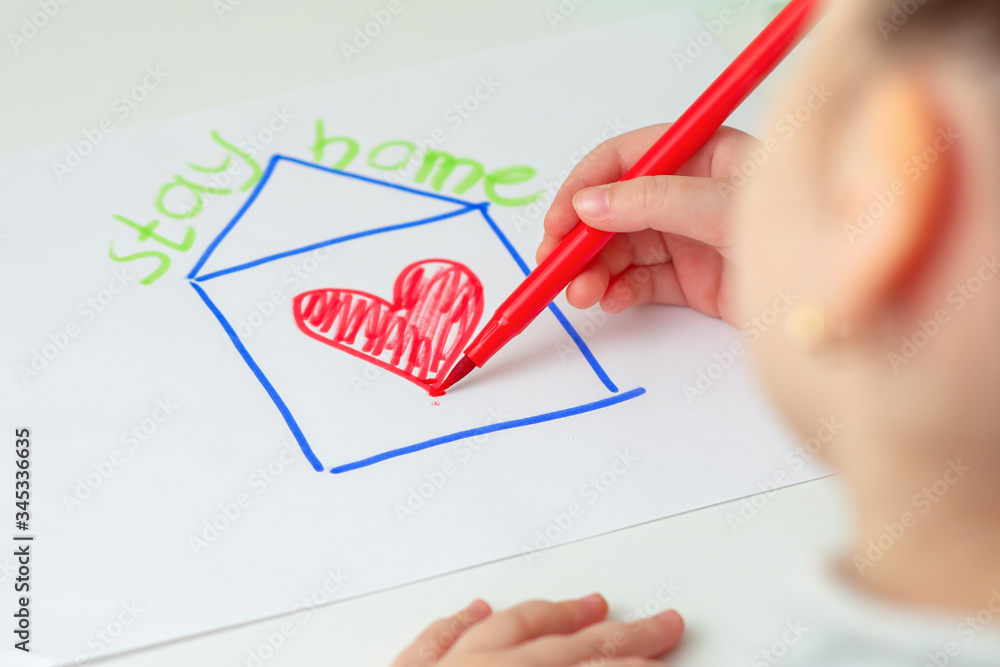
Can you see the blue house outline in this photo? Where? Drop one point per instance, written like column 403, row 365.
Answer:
column 195, row 279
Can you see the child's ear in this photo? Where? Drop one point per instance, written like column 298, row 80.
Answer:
column 890, row 185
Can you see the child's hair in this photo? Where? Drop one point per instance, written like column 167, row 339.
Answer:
column 955, row 26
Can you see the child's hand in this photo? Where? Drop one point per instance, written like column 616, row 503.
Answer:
column 542, row 634
column 676, row 231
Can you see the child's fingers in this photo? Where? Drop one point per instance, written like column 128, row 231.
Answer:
column 605, row 164
column 693, row 279
column 534, row 619
column 545, row 248
column 639, row 284
column 700, row 209
column 646, row 248
column 441, row 635
column 587, row 288
column 718, row 158
column 646, row 638
column 591, row 283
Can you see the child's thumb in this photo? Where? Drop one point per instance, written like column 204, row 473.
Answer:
column 698, row 208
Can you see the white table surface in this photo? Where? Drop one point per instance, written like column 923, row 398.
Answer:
column 729, row 584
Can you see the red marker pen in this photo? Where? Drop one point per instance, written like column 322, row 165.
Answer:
column 677, row 145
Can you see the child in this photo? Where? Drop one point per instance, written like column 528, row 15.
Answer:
column 881, row 211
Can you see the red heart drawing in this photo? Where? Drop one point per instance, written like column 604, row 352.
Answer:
column 435, row 309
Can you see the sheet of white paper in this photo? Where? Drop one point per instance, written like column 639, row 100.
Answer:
column 206, row 451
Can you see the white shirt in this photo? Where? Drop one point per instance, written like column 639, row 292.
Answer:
column 840, row 625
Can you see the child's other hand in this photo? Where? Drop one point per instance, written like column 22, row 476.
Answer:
column 675, row 232
column 542, row 634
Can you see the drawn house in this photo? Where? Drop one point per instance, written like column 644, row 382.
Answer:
column 347, row 296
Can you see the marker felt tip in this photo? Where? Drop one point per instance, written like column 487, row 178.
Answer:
column 462, row 368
